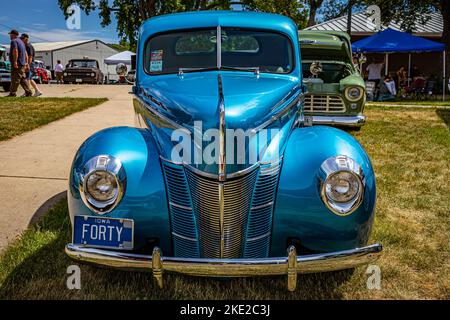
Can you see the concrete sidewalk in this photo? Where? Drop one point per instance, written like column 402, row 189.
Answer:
column 34, row 166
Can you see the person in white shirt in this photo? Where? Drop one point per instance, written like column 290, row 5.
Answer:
column 375, row 69
column 59, row 72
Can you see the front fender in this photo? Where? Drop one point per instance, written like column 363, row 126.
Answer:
column 299, row 211
column 144, row 200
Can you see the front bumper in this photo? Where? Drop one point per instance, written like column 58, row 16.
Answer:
column 290, row 265
column 350, row 121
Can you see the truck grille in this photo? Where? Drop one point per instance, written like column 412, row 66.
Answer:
column 324, row 103
column 195, row 214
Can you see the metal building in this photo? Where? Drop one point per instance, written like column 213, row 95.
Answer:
column 51, row 52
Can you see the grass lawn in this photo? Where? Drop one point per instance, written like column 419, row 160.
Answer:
column 19, row 115
column 436, row 103
column 410, row 150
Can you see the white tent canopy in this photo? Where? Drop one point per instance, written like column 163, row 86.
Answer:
column 121, row 57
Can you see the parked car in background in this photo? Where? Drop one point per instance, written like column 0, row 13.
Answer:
column 40, row 73
column 177, row 194
column 336, row 90
column 5, row 70
column 83, row 71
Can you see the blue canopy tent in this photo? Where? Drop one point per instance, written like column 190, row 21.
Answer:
column 392, row 41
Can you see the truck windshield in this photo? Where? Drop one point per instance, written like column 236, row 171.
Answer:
column 83, row 64
column 240, row 50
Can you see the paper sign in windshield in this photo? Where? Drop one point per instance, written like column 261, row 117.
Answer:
column 156, row 61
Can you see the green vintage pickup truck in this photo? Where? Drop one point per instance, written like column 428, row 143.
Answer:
column 336, row 90
column 5, row 70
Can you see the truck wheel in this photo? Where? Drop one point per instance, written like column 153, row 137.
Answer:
column 6, row 86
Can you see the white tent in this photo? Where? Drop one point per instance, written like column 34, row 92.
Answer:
column 114, row 60
column 121, row 57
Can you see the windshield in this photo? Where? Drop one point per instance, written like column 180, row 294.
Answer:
column 264, row 51
column 84, row 64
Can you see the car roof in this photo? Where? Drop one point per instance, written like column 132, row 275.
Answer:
column 214, row 18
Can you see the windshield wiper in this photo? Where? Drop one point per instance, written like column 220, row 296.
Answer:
column 184, row 70
column 255, row 70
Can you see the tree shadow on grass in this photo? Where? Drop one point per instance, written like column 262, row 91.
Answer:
column 41, row 273
column 444, row 114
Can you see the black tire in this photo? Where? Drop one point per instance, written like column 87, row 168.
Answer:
column 6, row 86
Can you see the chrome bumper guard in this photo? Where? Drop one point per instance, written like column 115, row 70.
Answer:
column 356, row 121
column 290, row 265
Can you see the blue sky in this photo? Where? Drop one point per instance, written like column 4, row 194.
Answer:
column 43, row 20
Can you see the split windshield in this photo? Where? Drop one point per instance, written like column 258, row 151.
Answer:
column 242, row 50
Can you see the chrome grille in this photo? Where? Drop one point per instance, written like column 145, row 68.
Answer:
column 260, row 217
column 195, row 212
column 323, row 103
column 182, row 217
column 205, row 198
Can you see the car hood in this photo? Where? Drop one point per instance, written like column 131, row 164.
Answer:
column 251, row 103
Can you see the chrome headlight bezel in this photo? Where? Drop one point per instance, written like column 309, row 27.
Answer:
column 334, row 166
column 102, row 163
column 353, row 99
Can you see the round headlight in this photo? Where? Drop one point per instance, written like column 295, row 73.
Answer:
column 102, row 183
column 92, row 74
column 65, row 74
column 342, row 187
column 353, row 93
column 102, row 186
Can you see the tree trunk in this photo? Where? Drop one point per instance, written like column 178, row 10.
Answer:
column 349, row 17
column 312, row 15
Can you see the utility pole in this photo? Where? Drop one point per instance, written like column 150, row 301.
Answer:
column 349, row 16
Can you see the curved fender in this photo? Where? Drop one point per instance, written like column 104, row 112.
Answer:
column 299, row 211
column 144, row 200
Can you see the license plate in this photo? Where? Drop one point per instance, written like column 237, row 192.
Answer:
column 79, row 80
column 103, row 232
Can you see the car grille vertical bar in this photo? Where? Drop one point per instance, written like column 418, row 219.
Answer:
column 182, row 216
column 259, row 225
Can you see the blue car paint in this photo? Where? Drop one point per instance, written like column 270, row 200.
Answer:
column 299, row 211
column 144, row 200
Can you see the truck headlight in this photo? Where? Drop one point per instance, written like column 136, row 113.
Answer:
column 354, row 93
column 92, row 74
column 102, row 183
column 341, row 185
column 65, row 74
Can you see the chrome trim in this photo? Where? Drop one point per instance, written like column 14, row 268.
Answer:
column 111, row 165
column 183, row 237
column 179, row 206
column 222, row 218
column 158, row 264
column 219, row 47
column 268, row 204
column 222, row 131
column 351, row 121
column 259, row 237
column 335, row 165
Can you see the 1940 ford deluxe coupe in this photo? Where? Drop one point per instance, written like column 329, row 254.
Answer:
column 336, row 90
column 220, row 177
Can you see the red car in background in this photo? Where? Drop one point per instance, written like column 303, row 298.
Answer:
column 40, row 73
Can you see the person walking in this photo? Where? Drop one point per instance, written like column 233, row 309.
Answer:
column 59, row 72
column 19, row 63
column 31, row 53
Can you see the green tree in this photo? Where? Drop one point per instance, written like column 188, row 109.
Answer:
column 294, row 9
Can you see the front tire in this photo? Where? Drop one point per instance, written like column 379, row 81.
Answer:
column 6, row 86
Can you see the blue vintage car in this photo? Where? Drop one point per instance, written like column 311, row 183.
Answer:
column 221, row 177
